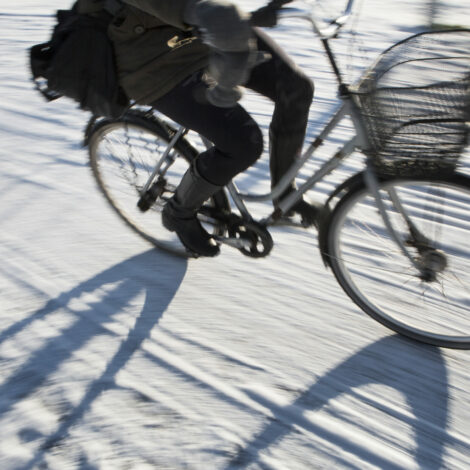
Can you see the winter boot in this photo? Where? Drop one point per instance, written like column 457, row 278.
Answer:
column 282, row 146
column 180, row 213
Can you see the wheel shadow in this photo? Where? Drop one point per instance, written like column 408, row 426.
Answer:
column 416, row 371
column 116, row 287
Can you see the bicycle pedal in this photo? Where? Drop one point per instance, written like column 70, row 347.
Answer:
column 237, row 243
column 286, row 221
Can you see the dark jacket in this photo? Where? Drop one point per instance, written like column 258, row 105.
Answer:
column 155, row 50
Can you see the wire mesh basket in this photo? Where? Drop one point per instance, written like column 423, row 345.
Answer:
column 415, row 103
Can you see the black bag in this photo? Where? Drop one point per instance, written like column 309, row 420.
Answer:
column 78, row 62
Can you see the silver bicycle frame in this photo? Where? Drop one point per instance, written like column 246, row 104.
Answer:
column 347, row 108
column 286, row 203
column 181, row 131
column 373, row 184
column 359, row 142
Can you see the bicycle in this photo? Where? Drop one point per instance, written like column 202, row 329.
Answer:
column 393, row 234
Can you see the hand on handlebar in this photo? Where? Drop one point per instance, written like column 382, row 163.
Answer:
column 227, row 30
column 227, row 71
column 266, row 16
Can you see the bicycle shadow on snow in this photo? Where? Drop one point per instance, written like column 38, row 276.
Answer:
column 120, row 285
column 416, row 371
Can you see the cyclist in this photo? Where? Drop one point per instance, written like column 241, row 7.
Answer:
column 163, row 50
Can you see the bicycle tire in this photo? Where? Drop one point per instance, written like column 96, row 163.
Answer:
column 122, row 154
column 379, row 278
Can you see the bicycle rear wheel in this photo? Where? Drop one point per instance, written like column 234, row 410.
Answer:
column 123, row 153
column 430, row 305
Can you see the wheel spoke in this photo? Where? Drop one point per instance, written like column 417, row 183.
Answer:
column 432, row 305
column 123, row 154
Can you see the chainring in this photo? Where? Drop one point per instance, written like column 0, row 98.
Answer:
column 259, row 239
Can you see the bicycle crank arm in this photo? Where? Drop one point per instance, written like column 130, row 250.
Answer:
column 238, row 243
column 248, row 236
column 287, row 222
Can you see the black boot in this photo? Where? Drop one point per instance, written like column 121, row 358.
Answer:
column 180, row 213
column 283, row 150
column 308, row 212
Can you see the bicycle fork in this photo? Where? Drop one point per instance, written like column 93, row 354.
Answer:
column 430, row 261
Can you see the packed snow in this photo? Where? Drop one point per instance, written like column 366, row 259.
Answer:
column 115, row 355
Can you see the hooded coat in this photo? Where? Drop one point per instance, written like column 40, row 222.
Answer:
column 154, row 48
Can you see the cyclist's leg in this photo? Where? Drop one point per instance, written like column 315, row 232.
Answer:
column 237, row 139
column 238, row 142
column 281, row 80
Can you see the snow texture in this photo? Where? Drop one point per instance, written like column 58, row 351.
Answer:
column 115, row 355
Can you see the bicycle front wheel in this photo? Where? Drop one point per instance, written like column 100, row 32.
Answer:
column 430, row 304
column 123, row 154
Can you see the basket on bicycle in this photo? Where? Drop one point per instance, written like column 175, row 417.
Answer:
column 415, row 104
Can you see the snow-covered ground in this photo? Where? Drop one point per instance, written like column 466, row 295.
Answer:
column 114, row 355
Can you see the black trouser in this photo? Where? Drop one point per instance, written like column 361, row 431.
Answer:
column 237, row 139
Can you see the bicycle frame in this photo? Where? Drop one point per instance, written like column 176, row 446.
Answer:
column 345, row 109
column 286, row 203
column 393, row 231
column 359, row 142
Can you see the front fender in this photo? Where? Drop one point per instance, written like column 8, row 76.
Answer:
column 350, row 185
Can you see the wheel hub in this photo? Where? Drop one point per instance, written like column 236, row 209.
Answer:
column 432, row 263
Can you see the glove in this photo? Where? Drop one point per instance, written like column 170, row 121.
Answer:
column 227, row 71
column 230, row 69
column 224, row 97
column 222, row 24
column 266, row 17
column 227, row 30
